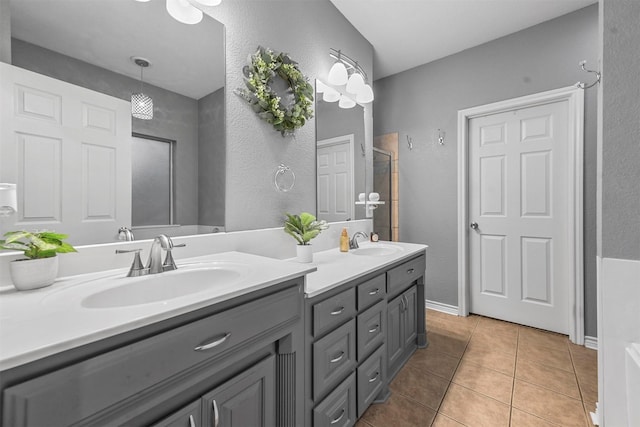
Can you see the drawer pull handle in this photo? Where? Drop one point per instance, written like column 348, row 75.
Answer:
column 375, row 377
column 339, row 418
column 374, row 292
column 375, row 328
column 338, row 358
column 410, row 271
column 216, row 416
column 192, row 422
column 338, row 311
column 213, row 343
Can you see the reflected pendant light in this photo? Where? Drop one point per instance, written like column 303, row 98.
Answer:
column 330, row 95
column 141, row 104
column 183, row 11
column 346, row 102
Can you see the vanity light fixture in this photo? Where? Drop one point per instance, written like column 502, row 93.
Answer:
column 353, row 76
column 141, row 103
column 346, row 102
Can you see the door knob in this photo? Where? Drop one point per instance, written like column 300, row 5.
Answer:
column 474, row 225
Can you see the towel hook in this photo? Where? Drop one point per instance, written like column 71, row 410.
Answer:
column 597, row 73
column 409, row 142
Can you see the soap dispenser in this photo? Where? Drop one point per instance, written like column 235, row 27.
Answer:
column 344, row 240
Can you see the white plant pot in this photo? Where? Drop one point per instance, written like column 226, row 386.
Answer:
column 305, row 253
column 28, row 274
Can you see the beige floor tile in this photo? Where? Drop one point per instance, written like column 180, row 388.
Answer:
column 545, row 376
column 361, row 423
column 398, row 411
column 496, row 360
column 462, row 328
column 453, row 330
column 551, row 406
column 588, row 385
column 453, row 346
column 471, row 408
column 546, row 339
column 444, row 421
column 497, row 326
column 545, row 356
column 467, row 320
column 428, row 360
column 522, row 419
column 421, row 387
column 485, row 381
column 495, row 341
column 585, row 361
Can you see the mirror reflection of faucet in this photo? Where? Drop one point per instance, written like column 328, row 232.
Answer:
column 125, row 234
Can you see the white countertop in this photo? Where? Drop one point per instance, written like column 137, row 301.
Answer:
column 335, row 268
column 38, row 323
column 42, row 322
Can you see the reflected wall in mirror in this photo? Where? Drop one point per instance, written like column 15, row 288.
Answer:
column 90, row 44
column 341, row 159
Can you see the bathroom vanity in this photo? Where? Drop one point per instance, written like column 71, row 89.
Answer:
column 288, row 344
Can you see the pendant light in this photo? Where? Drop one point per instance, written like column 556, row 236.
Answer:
column 182, row 11
column 141, row 104
column 338, row 74
column 365, row 95
column 346, row 102
column 355, row 84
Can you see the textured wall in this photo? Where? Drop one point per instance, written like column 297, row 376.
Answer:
column 175, row 116
column 421, row 100
column 621, row 130
column 333, row 121
column 211, row 159
column 305, row 29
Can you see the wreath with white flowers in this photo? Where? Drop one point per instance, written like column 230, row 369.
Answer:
column 263, row 67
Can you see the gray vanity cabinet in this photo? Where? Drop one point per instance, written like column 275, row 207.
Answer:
column 240, row 360
column 401, row 329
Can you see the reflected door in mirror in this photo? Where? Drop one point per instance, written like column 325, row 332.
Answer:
column 335, row 178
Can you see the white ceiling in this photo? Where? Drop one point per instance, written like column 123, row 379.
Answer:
column 186, row 59
column 408, row 33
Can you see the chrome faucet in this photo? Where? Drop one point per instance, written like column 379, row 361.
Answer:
column 155, row 264
column 353, row 243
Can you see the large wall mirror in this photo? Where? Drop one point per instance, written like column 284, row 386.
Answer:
column 341, row 157
column 180, row 153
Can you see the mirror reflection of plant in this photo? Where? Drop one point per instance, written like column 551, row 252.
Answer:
column 263, row 66
column 304, row 227
column 39, row 244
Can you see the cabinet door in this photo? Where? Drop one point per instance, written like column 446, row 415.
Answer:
column 395, row 329
column 410, row 318
column 189, row 416
column 248, row 399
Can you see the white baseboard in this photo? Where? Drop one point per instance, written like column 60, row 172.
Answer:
column 591, row 342
column 439, row 306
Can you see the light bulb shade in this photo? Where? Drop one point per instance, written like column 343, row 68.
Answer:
column 365, row 96
column 330, row 95
column 8, row 199
column 355, row 83
column 338, row 74
column 320, row 87
column 346, row 102
column 209, row 2
column 141, row 106
column 182, row 11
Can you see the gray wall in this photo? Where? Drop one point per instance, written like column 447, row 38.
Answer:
column 5, row 31
column 175, row 116
column 620, row 211
column 333, row 121
column 421, row 100
column 211, row 159
column 306, row 30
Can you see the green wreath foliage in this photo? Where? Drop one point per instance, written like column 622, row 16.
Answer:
column 264, row 65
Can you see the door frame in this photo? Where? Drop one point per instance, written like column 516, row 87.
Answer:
column 340, row 140
column 575, row 251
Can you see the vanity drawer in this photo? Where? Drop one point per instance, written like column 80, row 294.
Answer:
column 370, row 379
column 371, row 329
column 339, row 408
column 399, row 278
column 333, row 357
column 371, row 291
column 71, row 394
column 333, row 311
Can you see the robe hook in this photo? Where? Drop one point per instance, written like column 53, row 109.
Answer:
column 597, row 73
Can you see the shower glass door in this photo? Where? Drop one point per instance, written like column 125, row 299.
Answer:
column 382, row 185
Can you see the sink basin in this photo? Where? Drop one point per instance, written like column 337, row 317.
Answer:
column 163, row 287
column 377, row 250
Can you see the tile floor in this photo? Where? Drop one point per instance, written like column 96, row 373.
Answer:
column 479, row 371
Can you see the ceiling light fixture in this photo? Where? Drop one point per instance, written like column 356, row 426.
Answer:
column 353, row 76
column 141, row 104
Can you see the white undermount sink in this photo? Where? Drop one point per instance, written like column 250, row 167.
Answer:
column 162, row 287
column 377, row 249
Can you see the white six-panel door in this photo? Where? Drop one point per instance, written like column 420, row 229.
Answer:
column 69, row 150
column 335, row 178
column 518, row 214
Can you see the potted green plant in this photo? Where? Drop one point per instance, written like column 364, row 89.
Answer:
column 303, row 228
column 40, row 267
